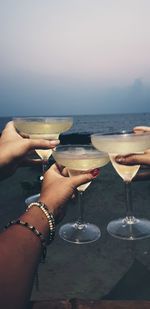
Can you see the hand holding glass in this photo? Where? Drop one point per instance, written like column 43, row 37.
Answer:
column 42, row 128
column 80, row 159
column 124, row 143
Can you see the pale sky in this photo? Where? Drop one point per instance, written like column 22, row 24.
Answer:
column 69, row 54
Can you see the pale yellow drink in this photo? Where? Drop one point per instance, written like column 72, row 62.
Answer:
column 80, row 160
column 126, row 172
column 84, row 163
column 43, row 128
column 122, row 144
column 49, row 126
column 44, row 153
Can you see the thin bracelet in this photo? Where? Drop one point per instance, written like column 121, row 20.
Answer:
column 49, row 216
column 34, row 230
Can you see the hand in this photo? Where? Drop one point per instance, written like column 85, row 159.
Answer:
column 57, row 188
column 14, row 147
column 141, row 129
column 136, row 159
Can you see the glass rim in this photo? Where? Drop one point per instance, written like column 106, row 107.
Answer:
column 42, row 118
column 70, row 147
column 125, row 133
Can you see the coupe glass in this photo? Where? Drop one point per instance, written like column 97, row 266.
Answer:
column 42, row 128
column 123, row 143
column 79, row 159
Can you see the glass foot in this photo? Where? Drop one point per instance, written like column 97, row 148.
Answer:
column 32, row 199
column 79, row 233
column 129, row 228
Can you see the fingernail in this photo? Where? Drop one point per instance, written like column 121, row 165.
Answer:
column 120, row 160
column 95, row 172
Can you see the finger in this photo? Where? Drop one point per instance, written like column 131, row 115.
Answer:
column 133, row 159
column 9, row 127
column 141, row 129
column 81, row 179
column 24, row 135
column 10, row 124
column 62, row 170
column 95, row 172
column 65, row 172
column 57, row 168
column 40, row 143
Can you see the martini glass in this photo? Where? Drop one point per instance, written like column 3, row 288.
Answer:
column 42, row 128
column 130, row 227
column 80, row 159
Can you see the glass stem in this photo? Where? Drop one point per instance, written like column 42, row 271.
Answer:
column 128, row 197
column 81, row 208
column 44, row 166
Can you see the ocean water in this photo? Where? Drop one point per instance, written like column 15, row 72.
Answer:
column 108, row 123
column 101, row 123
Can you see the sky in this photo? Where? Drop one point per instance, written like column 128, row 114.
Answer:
column 74, row 57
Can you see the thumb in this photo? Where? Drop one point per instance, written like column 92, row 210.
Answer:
column 141, row 129
column 84, row 178
column 41, row 143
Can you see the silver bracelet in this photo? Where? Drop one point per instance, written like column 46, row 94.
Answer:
column 49, row 216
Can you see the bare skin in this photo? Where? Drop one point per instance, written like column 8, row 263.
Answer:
column 141, row 129
column 134, row 159
column 14, row 148
column 20, row 248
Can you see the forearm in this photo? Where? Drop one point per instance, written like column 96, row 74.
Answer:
column 19, row 257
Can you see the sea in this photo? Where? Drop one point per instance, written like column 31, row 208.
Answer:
column 104, row 123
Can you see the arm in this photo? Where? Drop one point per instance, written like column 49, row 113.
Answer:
column 20, row 249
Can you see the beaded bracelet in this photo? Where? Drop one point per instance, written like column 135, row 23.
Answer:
column 49, row 216
column 34, row 230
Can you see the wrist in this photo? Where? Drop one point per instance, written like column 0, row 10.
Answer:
column 48, row 203
column 48, row 215
column 35, row 217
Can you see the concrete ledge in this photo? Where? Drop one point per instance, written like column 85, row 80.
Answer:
column 112, row 304
column 51, row 304
column 89, row 304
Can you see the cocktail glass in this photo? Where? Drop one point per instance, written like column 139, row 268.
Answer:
column 42, row 128
column 123, row 143
column 79, row 159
